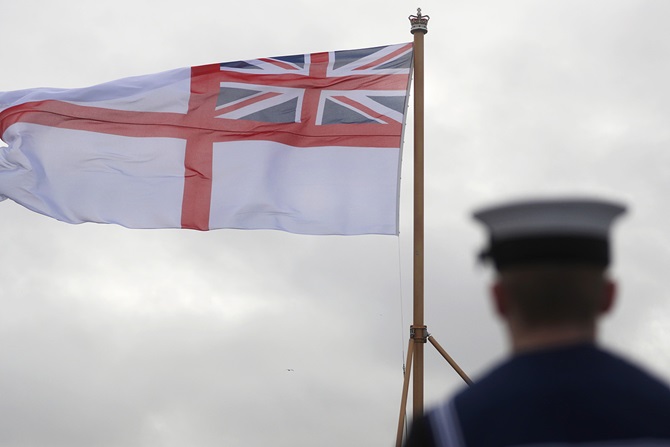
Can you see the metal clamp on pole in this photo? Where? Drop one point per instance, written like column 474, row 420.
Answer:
column 418, row 333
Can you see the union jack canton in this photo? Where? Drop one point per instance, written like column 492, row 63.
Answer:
column 314, row 99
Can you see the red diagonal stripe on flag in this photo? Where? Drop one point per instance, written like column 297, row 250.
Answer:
column 246, row 102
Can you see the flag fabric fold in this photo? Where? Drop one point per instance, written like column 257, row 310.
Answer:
column 308, row 144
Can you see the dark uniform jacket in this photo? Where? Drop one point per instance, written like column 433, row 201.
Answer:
column 577, row 396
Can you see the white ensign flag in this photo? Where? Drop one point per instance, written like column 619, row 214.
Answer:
column 308, row 144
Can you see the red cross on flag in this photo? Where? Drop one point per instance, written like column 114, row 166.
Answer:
column 308, row 144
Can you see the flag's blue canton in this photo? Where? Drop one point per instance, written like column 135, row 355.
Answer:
column 279, row 97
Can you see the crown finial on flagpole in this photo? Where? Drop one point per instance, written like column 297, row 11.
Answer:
column 419, row 22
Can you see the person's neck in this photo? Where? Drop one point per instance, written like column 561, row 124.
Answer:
column 542, row 338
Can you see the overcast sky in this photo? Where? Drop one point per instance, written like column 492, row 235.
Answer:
column 111, row 337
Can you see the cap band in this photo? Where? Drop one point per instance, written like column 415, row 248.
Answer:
column 549, row 249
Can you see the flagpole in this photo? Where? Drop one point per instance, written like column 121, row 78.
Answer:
column 418, row 330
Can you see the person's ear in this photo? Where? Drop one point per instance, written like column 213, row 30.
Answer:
column 500, row 298
column 609, row 296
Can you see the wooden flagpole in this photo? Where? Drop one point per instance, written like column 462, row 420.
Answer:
column 418, row 331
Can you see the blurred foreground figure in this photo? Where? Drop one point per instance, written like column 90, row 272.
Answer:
column 557, row 388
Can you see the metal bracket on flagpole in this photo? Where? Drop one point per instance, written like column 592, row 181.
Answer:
column 418, row 333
